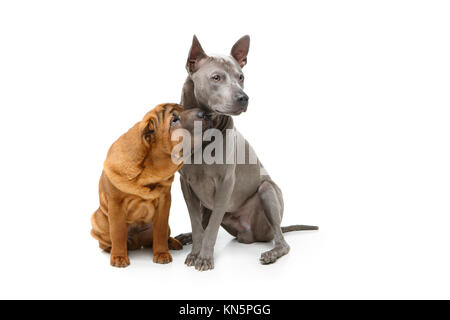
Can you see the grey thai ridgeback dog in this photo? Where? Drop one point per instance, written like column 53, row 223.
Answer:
column 239, row 196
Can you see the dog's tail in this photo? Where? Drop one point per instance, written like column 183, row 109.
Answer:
column 186, row 238
column 298, row 228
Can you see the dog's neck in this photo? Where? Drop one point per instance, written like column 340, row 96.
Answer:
column 189, row 101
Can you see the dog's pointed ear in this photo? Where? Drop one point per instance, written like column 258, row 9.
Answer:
column 240, row 50
column 196, row 56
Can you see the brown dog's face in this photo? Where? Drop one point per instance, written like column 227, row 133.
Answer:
column 159, row 124
column 189, row 118
column 187, row 132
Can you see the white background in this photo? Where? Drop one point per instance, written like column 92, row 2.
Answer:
column 349, row 111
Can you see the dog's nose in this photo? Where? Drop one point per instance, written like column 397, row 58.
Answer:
column 242, row 99
column 204, row 115
column 201, row 114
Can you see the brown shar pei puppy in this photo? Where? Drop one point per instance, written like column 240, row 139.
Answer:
column 135, row 187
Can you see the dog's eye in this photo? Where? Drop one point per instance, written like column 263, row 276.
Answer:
column 216, row 77
column 241, row 77
column 175, row 119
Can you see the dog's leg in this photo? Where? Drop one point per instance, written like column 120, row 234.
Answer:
column 206, row 215
column 205, row 260
column 119, row 233
column 161, row 230
column 193, row 204
column 273, row 209
column 101, row 230
column 186, row 238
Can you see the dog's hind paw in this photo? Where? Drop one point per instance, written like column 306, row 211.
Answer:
column 162, row 258
column 204, row 264
column 184, row 238
column 273, row 255
column 120, row 261
column 268, row 257
column 190, row 259
column 174, row 244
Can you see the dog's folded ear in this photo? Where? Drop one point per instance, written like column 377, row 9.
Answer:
column 148, row 133
column 197, row 56
column 126, row 156
column 240, row 50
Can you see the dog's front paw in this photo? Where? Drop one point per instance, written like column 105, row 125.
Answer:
column 174, row 244
column 120, row 261
column 204, row 263
column 190, row 259
column 162, row 258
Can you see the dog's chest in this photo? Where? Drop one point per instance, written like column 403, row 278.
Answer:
column 203, row 181
column 139, row 210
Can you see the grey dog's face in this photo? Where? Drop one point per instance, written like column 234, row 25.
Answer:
column 219, row 85
column 219, row 80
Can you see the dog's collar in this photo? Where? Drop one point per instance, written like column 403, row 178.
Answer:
column 222, row 122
